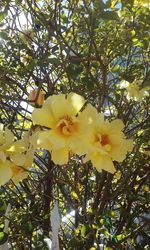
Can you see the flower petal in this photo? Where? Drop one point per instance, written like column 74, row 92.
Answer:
column 118, row 153
column 60, row 156
column 62, row 106
column 102, row 162
column 120, row 147
column 5, row 172
column 2, row 157
column 90, row 120
column 116, row 126
column 18, row 146
column 58, row 105
column 7, row 139
column 76, row 101
column 29, row 159
column 43, row 140
column 80, row 144
column 87, row 117
column 2, row 140
column 108, row 165
column 18, row 159
column 18, row 174
column 50, row 139
column 57, row 141
column 43, row 117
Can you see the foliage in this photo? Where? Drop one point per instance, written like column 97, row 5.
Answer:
column 87, row 47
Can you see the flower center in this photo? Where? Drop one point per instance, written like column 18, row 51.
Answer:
column 104, row 141
column 66, row 126
column 16, row 170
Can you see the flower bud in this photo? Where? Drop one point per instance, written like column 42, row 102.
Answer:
column 37, row 97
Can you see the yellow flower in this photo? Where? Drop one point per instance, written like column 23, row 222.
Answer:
column 107, row 142
column 21, row 156
column 37, row 97
column 6, row 140
column 20, row 165
column 59, row 114
column 18, row 173
column 135, row 93
column 27, row 143
column 15, row 157
column 5, row 171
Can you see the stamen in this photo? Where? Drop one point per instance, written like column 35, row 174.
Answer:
column 102, row 139
column 66, row 126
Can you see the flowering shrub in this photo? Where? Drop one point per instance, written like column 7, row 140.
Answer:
column 15, row 156
column 80, row 139
column 66, row 130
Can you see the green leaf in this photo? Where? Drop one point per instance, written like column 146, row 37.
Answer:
column 120, row 236
column 3, row 35
column 110, row 15
column 88, row 81
column 74, row 70
column 54, row 60
column 18, row 2
column 108, row 222
column 1, row 227
column 73, row 242
column 32, row 64
column 115, row 68
column 3, row 237
column 2, row 15
column 114, row 239
column 65, row 18
column 83, row 230
column 2, row 207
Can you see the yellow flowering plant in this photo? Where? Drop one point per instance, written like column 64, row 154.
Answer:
column 86, row 132
column 69, row 146
column 67, row 130
column 15, row 156
column 21, row 154
column 64, row 126
column 134, row 91
column 107, row 142
column 6, row 139
column 37, row 97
